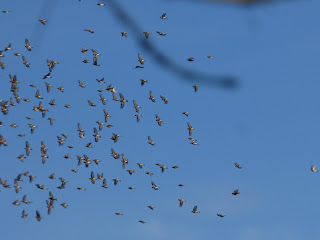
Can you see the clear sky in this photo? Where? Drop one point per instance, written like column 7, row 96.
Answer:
column 269, row 123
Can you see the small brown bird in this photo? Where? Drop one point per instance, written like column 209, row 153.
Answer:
column 161, row 34
column 138, row 117
column 140, row 165
column 25, row 62
column 163, row 16
column 5, row 11
column 38, row 217
column 83, row 50
column 124, row 34
column 28, row 46
column 186, row 113
column 154, row 186
column 151, row 207
column 150, row 141
column 211, row 56
column 91, row 103
column 151, row 97
column 143, row 81
column 17, row 54
column 141, row 60
column 119, row 214
column 96, row 135
column 190, row 128
column 106, row 115
column 313, row 168
column 61, row 89
column 164, row 99
column 221, row 215
column 131, row 188
column 149, row 173
column 159, row 121
column 237, row 165
column 47, row 76
column 100, row 4
column 43, row 21
column 181, row 201
column 146, row 34
column 85, row 61
column 8, row 47
column 236, row 192
column 195, row 210
column 142, row 221
column 195, row 87
column 64, row 205
column 190, row 59
column 52, row 176
column 92, row 178
column 115, row 181
column 100, row 125
column 104, row 185
column 89, row 30
column 136, row 106
column 24, row 214
column 24, row 200
column 81, row 189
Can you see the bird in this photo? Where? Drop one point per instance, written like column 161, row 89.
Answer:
column 136, row 106
column 28, row 46
column 100, row 4
column 142, row 221
column 190, row 128
column 151, row 97
column 24, row 214
column 115, row 181
column 190, row 59
column 124, row 34
column 83, row 50
column 24, row 200
column 195, row 210
column 38, row 217
column 237, row 165
column 151, row 207
column 119, row 214
column 81, row 84
column 236, row 192
column 138, row 117
column 143, row 81
column 92, row 178
column 104, row 185
column 161, row 34
column 43, row 21
column 163, row 16
column 27, row 148
column 154, row 186
column 164, row 99
column 313, row 168
column 141, row 60
column 195, row 87
column 25, row 62
column 220, row 215
column 64, row 205
column 159, row 121
column 150, row 141
column 96, row 135
column 89, row 30
column 146, row 34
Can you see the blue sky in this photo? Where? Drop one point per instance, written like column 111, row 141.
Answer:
column 269, row 124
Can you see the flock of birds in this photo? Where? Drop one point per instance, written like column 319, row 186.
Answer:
column 8, row 105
